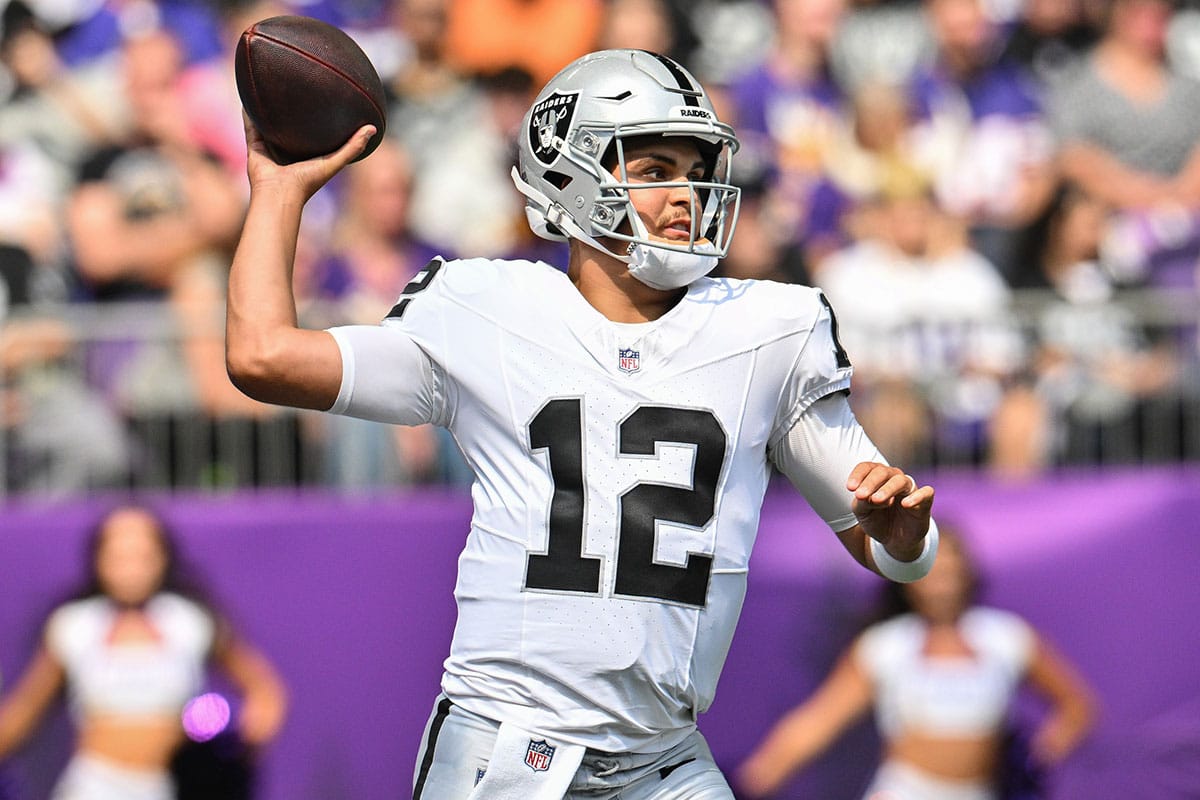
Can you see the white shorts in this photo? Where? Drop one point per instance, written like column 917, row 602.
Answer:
column 90, row 778
column 458, row 744
column 898, row 781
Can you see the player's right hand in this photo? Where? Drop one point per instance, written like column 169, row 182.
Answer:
column 303, row 178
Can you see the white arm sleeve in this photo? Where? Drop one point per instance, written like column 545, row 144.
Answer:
column 819, row 452
column 386, row 377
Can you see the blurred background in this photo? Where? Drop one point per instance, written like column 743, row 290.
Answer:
column 1001, row 198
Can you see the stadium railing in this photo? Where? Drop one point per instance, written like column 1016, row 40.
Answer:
column 114, row 400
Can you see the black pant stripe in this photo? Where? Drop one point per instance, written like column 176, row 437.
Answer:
column 435, row 728
column 666, row 771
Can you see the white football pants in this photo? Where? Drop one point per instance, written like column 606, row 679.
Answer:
column 457, row 745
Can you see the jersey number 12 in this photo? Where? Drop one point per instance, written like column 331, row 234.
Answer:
column 558, row 429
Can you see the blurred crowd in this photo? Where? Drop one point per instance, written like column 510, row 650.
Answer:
column 927, row 163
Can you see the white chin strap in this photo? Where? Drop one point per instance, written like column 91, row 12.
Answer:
column 659, row 268
column 665, row 269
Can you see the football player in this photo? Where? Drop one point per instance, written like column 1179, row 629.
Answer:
column 622, row 419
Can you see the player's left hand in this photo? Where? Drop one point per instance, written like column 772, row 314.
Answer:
column 891, row 507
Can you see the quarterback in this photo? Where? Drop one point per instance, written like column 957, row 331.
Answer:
column 622, row 419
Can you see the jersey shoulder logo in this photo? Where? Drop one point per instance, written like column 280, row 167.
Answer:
column 550, row 120
column 539, row 754
column 628, row 360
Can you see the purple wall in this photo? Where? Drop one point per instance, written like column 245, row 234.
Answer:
column 351, row 598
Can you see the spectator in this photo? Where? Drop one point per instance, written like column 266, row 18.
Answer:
column 759, row 251
column 61, row 112
column 639, row 25
column 941, row 672
column 60, row 436
column 880, row 40
column 30, row 233
column 458, row 130
column 145, row 207
column 429, row 95
column 1128, row 126
column 926, row 321
column 131, row 650
column 1050, row 38
column 730, row 37
column 874, row 151
column 467, row 168
column 372, row 256
column 787, row 110
column 210, row 104
column 980, row 122
column 152, row 219
column 1097, row 366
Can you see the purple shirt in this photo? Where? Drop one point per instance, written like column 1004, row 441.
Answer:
column 980, row 135
column 1001, row 88
column 786, row 127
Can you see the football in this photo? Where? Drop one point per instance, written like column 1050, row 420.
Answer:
column 307, row 87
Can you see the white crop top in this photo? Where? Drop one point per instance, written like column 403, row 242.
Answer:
column 133, row 679
column 940, row 695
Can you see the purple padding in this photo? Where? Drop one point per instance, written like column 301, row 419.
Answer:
column 352, row 600
column 1104, row 564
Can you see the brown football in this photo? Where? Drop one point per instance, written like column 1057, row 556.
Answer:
column 307, row 87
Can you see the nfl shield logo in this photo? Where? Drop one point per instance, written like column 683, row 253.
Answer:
column 628, row 359
column 538, row 756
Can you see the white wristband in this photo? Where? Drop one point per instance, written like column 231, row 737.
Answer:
column 906, row 571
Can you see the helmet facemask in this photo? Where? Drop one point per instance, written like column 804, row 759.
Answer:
column 714, row 201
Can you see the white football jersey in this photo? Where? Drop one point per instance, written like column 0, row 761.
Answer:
column 619, row 474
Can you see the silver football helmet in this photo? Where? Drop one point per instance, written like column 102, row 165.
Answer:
column 580, row 121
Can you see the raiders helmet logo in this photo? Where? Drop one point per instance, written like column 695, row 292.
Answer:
column 550, row 120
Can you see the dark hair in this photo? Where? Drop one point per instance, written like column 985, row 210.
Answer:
column 512, row 79
column 175, row 578
column 1040, row 236
column 16, row 18
column 894, row 599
